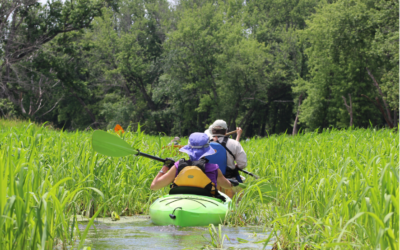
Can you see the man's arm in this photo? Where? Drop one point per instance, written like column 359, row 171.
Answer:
column 222, row 181
column 239, row 133
column 241, row 157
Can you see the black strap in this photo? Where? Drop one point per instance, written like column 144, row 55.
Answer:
column 223, row 143
column 185, row 163
column 182, row 164
column 222, row 198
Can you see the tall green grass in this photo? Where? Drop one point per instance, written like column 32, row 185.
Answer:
column 334, row 189
column 47, row 176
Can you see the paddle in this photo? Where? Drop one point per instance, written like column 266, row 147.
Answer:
column 244, row 171
column 247, row 172
column 111, row 145
column 231, row 133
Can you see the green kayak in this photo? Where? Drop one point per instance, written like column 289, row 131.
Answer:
column 188, row 210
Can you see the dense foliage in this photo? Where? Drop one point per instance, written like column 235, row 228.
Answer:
column 267, row 66
column 335, row 188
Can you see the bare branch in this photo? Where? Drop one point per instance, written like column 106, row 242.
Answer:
column 349, row 108
column 283, row 101
column 52, row 107
column 94, row 123
column 295, row 129
column 255, row 99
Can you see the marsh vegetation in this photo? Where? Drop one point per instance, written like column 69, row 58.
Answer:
column 333, row 188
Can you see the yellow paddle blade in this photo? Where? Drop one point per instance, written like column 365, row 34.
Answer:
column 110, row 145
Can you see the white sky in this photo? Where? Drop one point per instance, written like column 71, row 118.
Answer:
column 170, row 1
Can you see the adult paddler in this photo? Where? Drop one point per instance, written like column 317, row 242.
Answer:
column 175, row 141
column 230, row 155
column 197, row 149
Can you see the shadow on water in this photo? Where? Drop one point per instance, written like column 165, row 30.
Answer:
column 141, row 233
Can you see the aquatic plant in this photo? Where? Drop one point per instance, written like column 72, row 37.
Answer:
column 337, row 188
column 217, row 239
column 47, row 176
column 36, row 195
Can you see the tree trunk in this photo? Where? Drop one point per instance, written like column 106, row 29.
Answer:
column 266, row 121
column 295, row 129
column 261, row 131
column 232, row 119
column 244, row 121
column 129, row 93
column 275, row 117
column 388, row 121
column 245, row 118
column 349, row 109
column 21, row 99
column 378, row 105
column 383, row 99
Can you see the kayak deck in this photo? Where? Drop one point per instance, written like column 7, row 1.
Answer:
column 187, row 210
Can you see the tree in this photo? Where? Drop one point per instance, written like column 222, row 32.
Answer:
column 340, row 37
column 25, row 26
column 128, row 48
column 214, row 67
column 267, row 66
column 385, row 47
column 276, row 24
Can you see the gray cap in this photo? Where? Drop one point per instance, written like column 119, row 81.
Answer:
column 219, row 124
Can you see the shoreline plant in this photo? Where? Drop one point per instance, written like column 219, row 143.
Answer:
column 334, row 189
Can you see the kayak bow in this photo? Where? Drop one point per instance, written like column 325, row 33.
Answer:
column 187, row 210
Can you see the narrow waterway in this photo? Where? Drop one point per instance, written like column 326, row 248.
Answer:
column 141, row 233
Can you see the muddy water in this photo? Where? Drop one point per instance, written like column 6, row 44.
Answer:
column 141, row 233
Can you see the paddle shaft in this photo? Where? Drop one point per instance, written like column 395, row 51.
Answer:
column 103, row 141
column 163, row 160
column 251, row 174
column 151, row 156
column 231, row 133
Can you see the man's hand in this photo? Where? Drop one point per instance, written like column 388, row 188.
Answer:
column 234, row 183
column 169, row 162
column 239, row 132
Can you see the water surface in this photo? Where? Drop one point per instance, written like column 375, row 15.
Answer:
column 141, row 233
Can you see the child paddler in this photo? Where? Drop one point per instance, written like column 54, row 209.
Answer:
column 195, row 175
